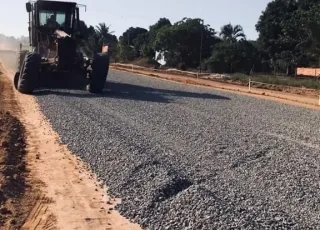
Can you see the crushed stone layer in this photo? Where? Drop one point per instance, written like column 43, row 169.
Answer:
column 185, row 157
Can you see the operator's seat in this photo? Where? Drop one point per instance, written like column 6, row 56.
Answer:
column 52, row 23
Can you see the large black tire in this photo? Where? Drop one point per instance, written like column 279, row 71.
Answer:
column 29, row 75
column 21, row 56
column 100, row 69
column 16, row 80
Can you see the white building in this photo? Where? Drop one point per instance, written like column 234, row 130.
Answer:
column 161, row 60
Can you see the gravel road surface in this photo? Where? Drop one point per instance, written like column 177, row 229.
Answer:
column 184, row 157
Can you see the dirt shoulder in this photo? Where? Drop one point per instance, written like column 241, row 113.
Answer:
column 14, row 187
column 58, row 191
column 283, row 97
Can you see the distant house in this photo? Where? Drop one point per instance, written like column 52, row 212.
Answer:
column 159, row 57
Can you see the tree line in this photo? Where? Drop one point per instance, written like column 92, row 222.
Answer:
column 289, row 37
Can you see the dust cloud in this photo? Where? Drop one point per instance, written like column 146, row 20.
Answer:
column 9, row 47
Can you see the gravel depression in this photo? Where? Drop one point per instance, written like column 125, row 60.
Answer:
column 187, row 157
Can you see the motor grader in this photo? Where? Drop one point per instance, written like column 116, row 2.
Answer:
column 53, row 58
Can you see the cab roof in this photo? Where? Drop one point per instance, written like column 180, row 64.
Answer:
column 54, row 5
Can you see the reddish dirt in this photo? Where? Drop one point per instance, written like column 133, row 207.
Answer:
column 16, row 195
column 12, row 171
column 42, row 184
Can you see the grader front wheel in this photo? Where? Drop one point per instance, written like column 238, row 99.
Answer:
column 28, row 77
column 100, row 69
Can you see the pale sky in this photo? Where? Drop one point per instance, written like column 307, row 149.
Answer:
column 121, row 14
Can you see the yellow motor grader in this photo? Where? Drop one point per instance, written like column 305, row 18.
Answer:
column 53, row 58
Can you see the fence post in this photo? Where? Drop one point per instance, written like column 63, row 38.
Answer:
column 249, row 84
column 319, row 99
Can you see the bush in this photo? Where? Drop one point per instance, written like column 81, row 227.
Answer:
column 182, row 66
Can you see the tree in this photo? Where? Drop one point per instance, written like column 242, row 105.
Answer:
column 142, row 46
column 180, row 42
column 155, row 28
column 232, row 33
column 289, row 36
column 131, row 34
column 82, row 39
column 287, row 31
column 230, row 57
column 98, row 37
column 131, row 43
column 311, row 19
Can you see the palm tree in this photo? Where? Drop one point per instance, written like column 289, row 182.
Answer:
column 103, row 33
column 98, row 37
column 232, row 33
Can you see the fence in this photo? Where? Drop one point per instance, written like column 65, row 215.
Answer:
column 167, row 71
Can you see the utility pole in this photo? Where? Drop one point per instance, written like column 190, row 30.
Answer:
column 128, row 38
column 201, row 44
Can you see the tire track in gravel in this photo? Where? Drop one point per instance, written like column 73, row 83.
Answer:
column 300, row 142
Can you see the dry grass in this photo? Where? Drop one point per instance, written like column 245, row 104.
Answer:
column 278, row 80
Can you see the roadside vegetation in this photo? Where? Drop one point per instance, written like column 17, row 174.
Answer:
column 303, row 82
column 289, row 37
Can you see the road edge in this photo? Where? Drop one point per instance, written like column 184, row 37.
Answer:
column 75, row 201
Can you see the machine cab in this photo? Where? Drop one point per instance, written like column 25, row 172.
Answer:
column 58, row 15
column 48, row 16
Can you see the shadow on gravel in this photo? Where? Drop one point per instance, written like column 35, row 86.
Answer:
column 131, row 92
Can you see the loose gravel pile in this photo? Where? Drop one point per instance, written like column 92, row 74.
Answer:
column 184, row 157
